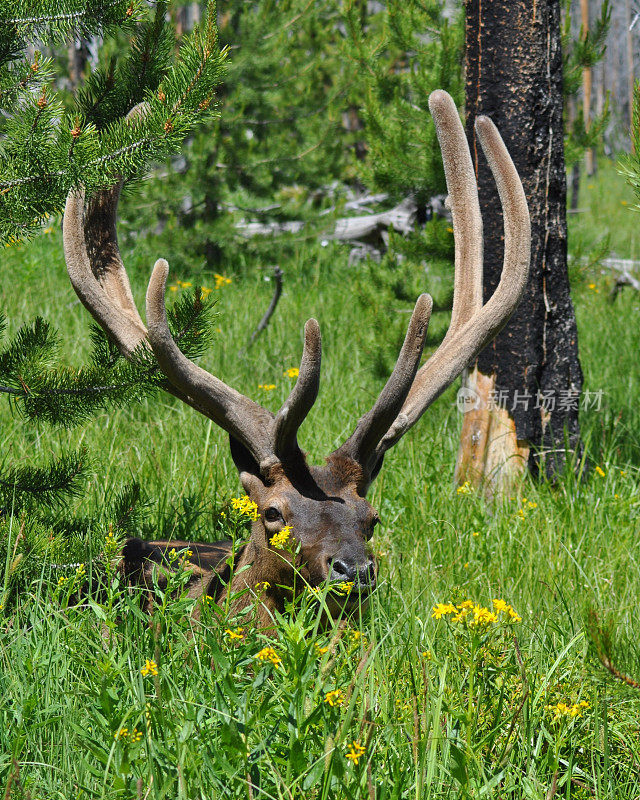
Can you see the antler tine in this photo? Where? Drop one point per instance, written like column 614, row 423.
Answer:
column 94, row 264
column 460, row 349
column 303, row 395
column 245, row 420
column 465, row 210
column 374, row 424
column 99, row 279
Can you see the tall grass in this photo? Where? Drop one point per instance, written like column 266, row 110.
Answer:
column 436, row 708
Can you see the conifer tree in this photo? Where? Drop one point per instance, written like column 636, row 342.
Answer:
column 48, row 147
column 45, row 148
column 279, row 141
column 403, row 52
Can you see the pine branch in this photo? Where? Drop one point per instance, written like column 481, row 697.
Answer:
column 67, row 397
column 50, row 485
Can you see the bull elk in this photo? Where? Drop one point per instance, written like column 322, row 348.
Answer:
column 325, row 506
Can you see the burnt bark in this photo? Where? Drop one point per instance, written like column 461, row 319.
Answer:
column 514, row 75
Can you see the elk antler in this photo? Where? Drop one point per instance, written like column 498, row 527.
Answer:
column 473, row 325
column 100, row 280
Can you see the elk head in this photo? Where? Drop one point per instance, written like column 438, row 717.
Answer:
column 325, row 506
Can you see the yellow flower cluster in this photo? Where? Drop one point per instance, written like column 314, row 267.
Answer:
column 268, row 387
column 473, row 615
column 262, row 586
column 344, row 587
column 334, row 698
column 356, row 751
column 466, row 488
column 269, row 654
column 292, row 372
column 281, row 539
column 600, row 472
column 134, row 736
column 245, row 506
column 527, row 505
column 561, row 710
column 221, row 280
column 238, row 633
column 150, row 668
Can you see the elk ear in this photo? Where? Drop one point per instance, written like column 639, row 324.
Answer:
column 245, row 463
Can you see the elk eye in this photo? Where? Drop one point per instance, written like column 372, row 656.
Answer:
column 271, row 514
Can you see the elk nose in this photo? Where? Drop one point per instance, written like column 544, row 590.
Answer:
column 362, row 574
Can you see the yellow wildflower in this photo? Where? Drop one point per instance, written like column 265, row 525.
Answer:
column 268, row 387
column 334, row 698
column 442, row 609
column 150, row 668
column 356, row 751
column 321, row 650
column 234, row 634
column 221, row 280
column 262, row 586
column 344, row 587
column 600, row 472
column 269, row 654
column 482, row 616
column 245, row 507
column 499, row 605
column 561, row 710
column 205, row 291
column 280, row 539
column 513, row 615
column 185, row 284
column 476, row 533
column 121, row 734
column 136, row 735
column 466, row 488
column 292, row 372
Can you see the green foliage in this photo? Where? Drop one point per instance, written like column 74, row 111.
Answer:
column 403, row 53
column 72, row 675
column 42, row 392
column 47, row 149
column 278, row 142
column 585, row 50
column 630, row 163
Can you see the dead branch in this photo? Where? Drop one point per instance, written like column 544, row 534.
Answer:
column 277, row 274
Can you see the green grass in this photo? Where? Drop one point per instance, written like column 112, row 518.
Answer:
column 439, row 711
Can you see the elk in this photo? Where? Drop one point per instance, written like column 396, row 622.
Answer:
column 325, row 506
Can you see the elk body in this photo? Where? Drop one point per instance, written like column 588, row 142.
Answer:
column 325, row 506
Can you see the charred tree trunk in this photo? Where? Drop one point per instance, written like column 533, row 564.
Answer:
column 528, row 381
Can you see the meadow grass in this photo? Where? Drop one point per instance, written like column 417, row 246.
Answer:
column 105, row 702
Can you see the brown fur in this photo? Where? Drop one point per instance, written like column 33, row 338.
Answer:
column 330, row 520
